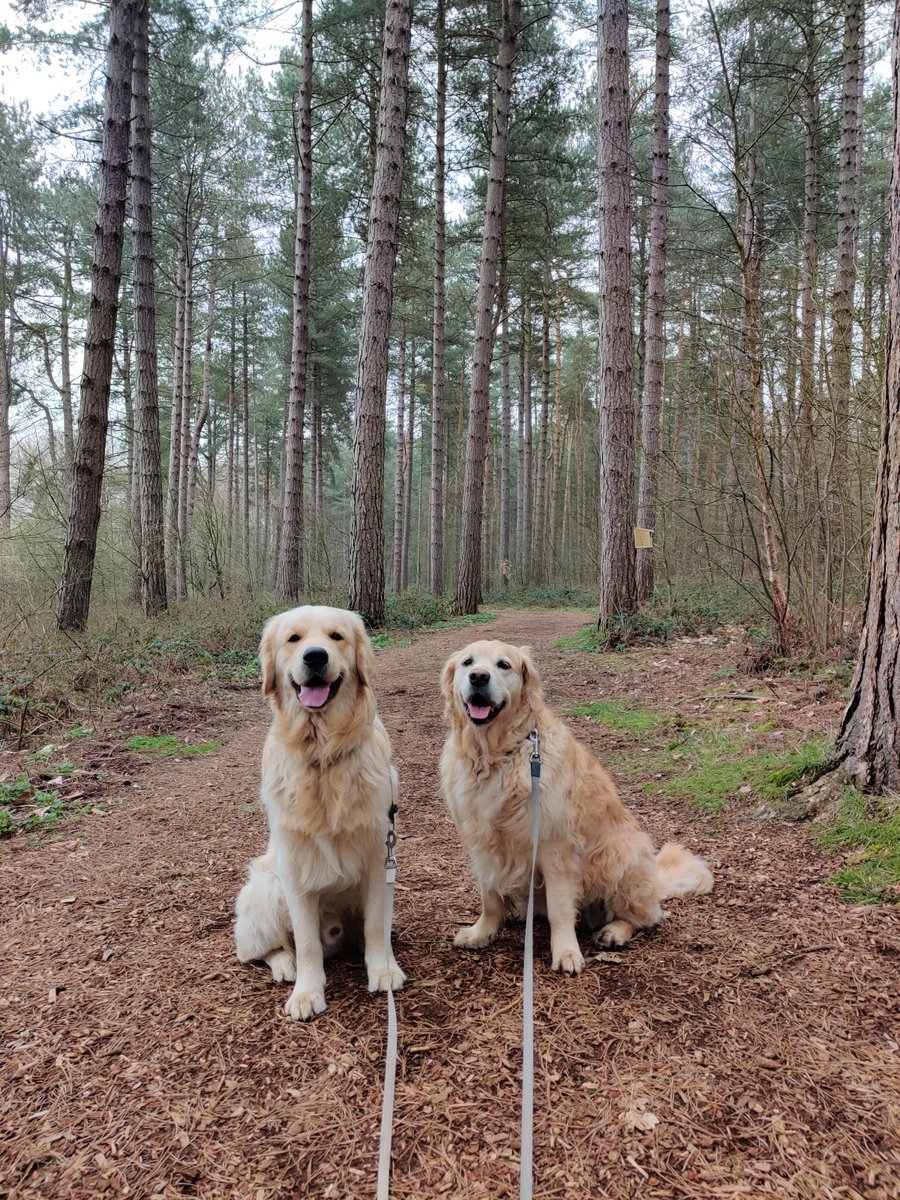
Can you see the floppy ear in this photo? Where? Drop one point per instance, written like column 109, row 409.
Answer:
column 267, row 657
column 531, row 681
column 449, row 669
column 365, row 655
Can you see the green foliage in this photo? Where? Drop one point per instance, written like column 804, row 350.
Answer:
column 25, row 808
column 415, row 609
column 869, row 829
column 540, row 596
column 167, row 745
column 617, row 715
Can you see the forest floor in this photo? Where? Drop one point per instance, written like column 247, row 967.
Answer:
column 747, row 1048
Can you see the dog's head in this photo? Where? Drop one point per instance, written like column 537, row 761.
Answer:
column 489, row 682
column 315, row 662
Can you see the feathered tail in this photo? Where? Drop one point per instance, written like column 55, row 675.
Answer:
column 682, row 873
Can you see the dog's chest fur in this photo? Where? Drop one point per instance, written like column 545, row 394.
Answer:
column 493, row 815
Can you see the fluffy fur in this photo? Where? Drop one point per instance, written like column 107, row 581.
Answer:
column 593, row 858
column 327, row 785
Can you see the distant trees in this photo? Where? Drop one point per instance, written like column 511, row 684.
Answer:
column 755, row 362
column 290, row 560
column 468, row 591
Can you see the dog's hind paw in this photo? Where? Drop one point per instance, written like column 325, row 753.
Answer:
column 282, row 965
column 386, row 979
column 302, row 1005
column 616, row 933
column 474, row 937
column 570, row 962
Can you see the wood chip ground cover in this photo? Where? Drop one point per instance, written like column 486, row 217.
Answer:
column 748, row 1048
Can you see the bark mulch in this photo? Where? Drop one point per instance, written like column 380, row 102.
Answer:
column 747, row 1048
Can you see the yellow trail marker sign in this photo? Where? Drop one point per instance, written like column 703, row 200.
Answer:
column 643, row 539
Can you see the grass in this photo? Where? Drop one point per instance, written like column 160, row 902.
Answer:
column 167, row 745
column 617, row 715
column 869, row 829
column 713, row 766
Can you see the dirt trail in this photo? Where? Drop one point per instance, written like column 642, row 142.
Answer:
column 748, row 1048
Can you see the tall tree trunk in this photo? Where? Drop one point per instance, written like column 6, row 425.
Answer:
column 618, row 592
column 245, row 446
column 408, row 468
column 367, row 519
column 290, row 559
column 400, row 472
column 850, row 159
column 171, row 540
column 65, row 390
column 153, row 564
column 203, row 410
column 868, row 745
column 436, row 522
column 106, row 270
column 184, row 455
column 654, row 357
column 505, row 437
column 468, row 592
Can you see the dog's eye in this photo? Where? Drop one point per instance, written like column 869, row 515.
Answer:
column 336, row 637
column 295, row 637
column 503, row 665
column 467, row 662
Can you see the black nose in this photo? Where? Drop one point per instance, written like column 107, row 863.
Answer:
column 479, row 678
column 315, row 658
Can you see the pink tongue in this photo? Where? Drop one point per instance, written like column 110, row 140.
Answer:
column 479, row 711
column 314, row 697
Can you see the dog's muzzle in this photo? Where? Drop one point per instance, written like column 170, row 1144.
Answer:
column 315, row 691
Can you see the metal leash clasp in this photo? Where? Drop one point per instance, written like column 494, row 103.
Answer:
column 390, row 863
column 536, row 758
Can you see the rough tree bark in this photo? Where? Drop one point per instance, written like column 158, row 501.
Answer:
column 618, row 593
column 468, row 592
column 106, row 271
column 654, row 356
column 868, row 744
column 850, row 160
column 400, row 471
column 436, row 522
column 289, row 575
column 367, row 492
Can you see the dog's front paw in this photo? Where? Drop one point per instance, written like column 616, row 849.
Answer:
column 570, row 962
column 303, row 1003
column 474, row 937
column 386, row 978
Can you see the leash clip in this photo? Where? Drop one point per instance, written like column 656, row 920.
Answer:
column 390, row 862
column 536, row 758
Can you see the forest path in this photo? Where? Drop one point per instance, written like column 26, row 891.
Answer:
column 747, row 1048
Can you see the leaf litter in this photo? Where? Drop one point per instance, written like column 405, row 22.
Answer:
column 747, row 1048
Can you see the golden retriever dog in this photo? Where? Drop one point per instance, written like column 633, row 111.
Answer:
column 327, row 787
column 592, row 856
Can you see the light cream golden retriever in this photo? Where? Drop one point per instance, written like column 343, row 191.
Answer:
column 327, row 786
column 592, row 858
